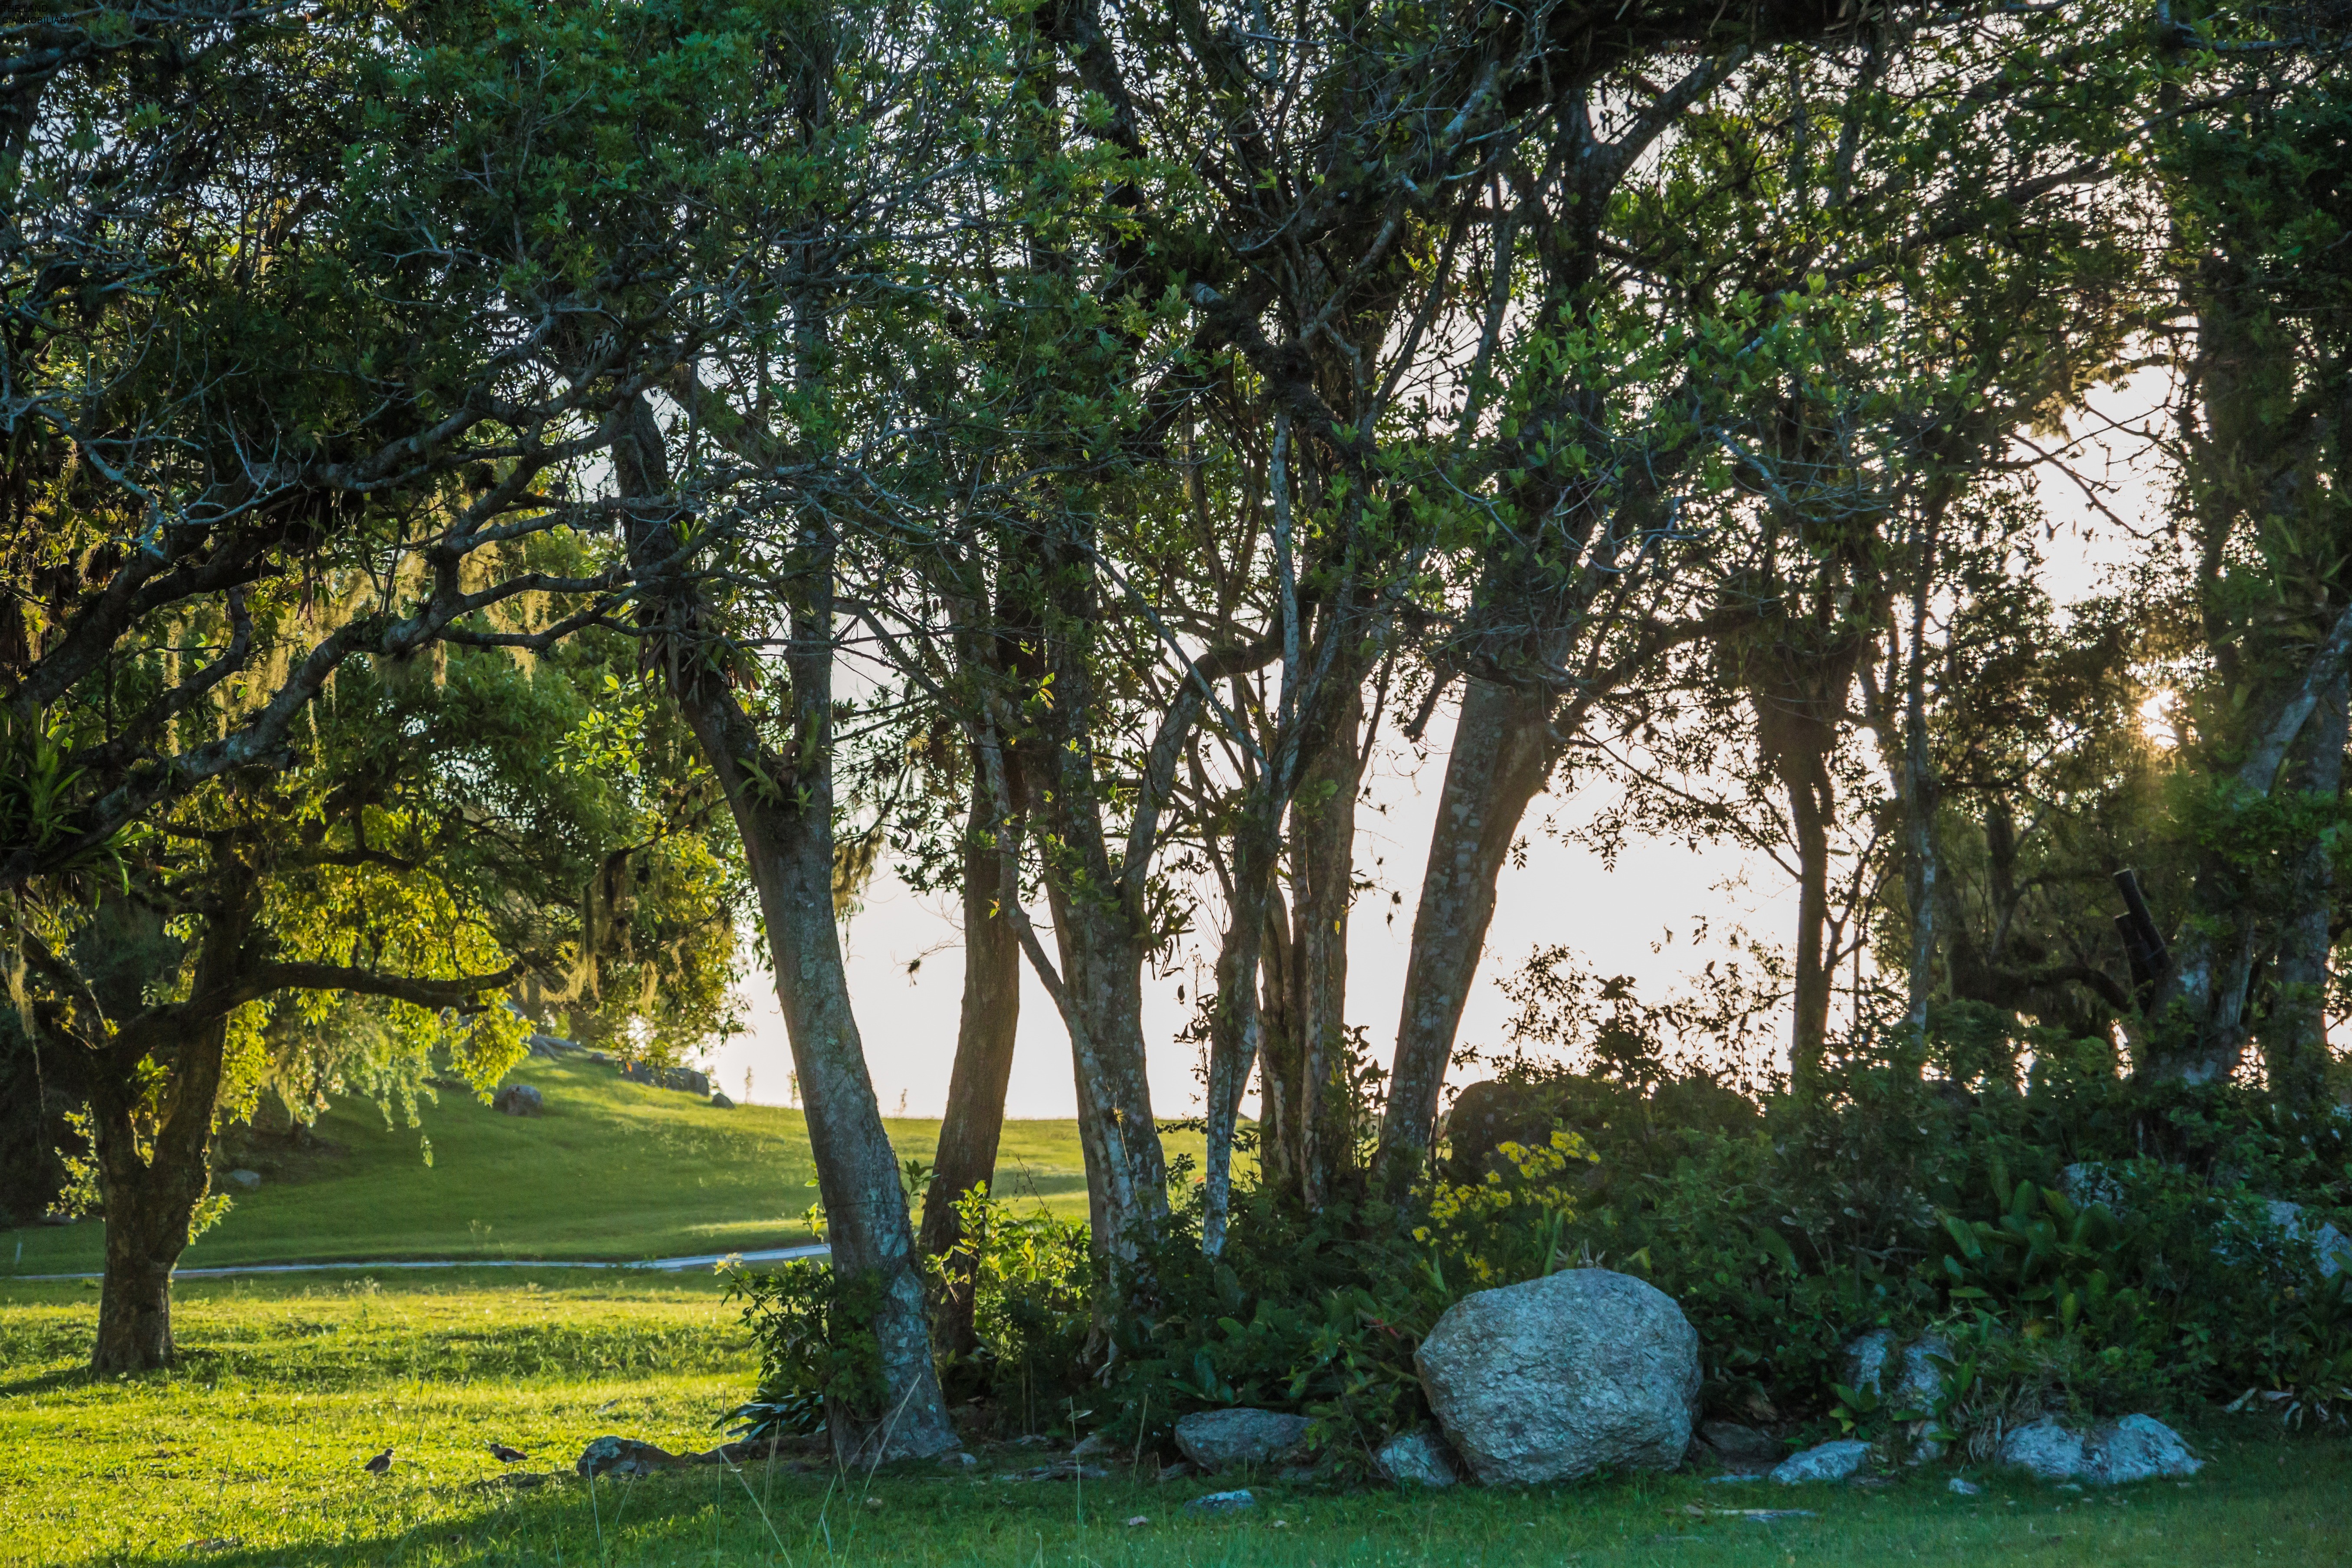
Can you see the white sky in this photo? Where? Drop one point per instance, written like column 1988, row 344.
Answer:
column 1614, row 919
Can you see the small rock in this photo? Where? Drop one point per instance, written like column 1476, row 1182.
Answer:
column 1757, row 1515
column 1175, row 1472
column 248, row 1180
column 216, row 1544
column 2088, row 1182
column 1415, row 1458
column 1066, row 1470
column 1736, row 1444
column 518, row 1481
column 518, row 1100
column 2136, row 1448
column 957, row 1460
column 1221, row 1502
column 873, row 1505
column 1094, row 1445
column 1138, row 1519
column 1904, row 1376
column 624, row 1457
column 1219, row 1439
column 1828, row 1462
column 1964, row 1486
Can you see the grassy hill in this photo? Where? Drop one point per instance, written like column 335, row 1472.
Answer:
column 613, row 1170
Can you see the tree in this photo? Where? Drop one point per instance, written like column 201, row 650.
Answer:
column 419, row 854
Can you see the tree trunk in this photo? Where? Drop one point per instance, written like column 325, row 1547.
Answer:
column 1805, row 776
column 1500, row 758
column 974, row 1124
column 1278, row 1136
column 151, row 1195
column 2198, row 1025
column 782, row 806
column 2295, row 1036
column 1102, row 958
column 148, row 1213
column 1323, row 872
column 1234, row 1024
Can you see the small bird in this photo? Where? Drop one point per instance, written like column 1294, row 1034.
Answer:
column 506, row 1456
column 380, row 1463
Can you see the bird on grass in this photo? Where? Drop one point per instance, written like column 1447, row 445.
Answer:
column 380, row 1463
column 506, row 1456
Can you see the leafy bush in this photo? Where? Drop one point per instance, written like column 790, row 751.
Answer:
column 814, row 1331
column 1033, row 1310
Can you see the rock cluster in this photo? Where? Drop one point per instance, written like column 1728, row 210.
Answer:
column 2136, row 1448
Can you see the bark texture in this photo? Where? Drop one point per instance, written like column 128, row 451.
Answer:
column 985, row 1032
column 151, row 1185
column 782, row 806
column 1501, row 755
column 1308, row 1131
column 2295, row 1036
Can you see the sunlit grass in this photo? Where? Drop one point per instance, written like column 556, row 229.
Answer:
column 288, row 1385
column 613, row 1171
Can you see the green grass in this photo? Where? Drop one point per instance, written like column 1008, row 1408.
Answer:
column 288, row 1386
column 613, row 1171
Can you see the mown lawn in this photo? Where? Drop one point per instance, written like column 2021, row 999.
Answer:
column 288, row 1385
column 613, row 1171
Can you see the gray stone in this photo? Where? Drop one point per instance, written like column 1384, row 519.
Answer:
column 2136, row 1448
column 684, row 1079
column 1415, row 1458
column 2329, row 1245
column 2087, row 1182
column 1221, row 1502
column 1220, row 1439
column 1964, row 1486
column 624, row 1457
column 1829, row 1462
column 719, row 1101
column 1737, row 1445
column 518, row 1100
column 551, row 1045
column 1904, row 1376
column 2043, row 1449
column 1580, row 1371
column 1094, row 1445
column 249, row 1180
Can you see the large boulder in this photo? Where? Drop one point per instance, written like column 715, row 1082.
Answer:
column 2136, row 1448
column 1222, row 1439
column 1581, row 1370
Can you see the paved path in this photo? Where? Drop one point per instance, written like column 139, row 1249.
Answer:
column 674, row 1265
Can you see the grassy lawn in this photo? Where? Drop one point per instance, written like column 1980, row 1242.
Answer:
column 289, row 1384
column 613, row 1170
